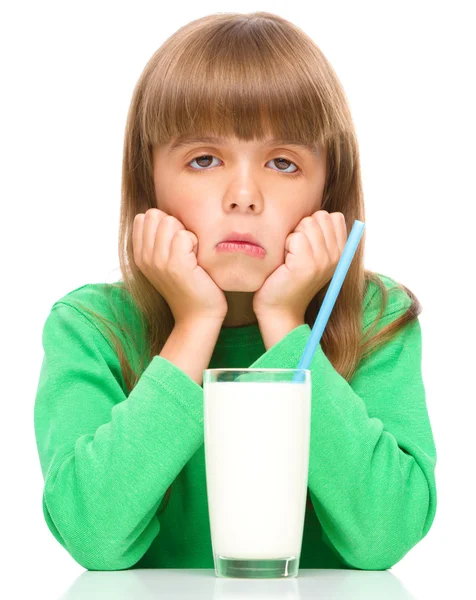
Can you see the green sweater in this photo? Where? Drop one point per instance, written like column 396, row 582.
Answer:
column 107, row 458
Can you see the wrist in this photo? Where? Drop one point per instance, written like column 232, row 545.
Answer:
column 276, row 325
column 281, row 316
column 193, row 322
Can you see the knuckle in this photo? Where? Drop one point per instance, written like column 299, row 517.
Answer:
column 137, row 219
column 153, row 213
column 173, row 269
column 175, row 238
column 170, row 220
column 157, row 267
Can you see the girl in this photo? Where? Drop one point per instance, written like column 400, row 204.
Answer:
column 237, row 124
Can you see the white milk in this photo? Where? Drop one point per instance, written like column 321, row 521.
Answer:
column 257, row 437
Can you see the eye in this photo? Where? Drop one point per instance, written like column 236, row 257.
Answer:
column 201, row 158
column 286, row 161
column 205, row 157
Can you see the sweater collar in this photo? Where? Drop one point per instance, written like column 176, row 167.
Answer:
column 245, row 335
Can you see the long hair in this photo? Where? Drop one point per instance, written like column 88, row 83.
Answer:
column 249, row 76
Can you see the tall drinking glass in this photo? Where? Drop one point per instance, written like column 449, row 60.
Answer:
column 257, row 433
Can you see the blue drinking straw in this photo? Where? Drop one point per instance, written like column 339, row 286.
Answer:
column 330, row 298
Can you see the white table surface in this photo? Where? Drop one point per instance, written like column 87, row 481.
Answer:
column 201, row 584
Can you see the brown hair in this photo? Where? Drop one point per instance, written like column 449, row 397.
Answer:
column 247, row 75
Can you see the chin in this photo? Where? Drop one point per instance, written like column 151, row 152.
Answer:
column 237, row 279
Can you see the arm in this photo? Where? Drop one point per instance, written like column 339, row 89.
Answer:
column 372, row 453
column 107, row 459
column 190, row 346
column 276, row 327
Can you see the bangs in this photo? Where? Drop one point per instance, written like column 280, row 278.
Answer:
column 238, row 84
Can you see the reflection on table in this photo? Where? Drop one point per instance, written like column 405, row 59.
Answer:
column 202, row 584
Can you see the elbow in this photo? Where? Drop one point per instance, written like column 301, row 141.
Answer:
column 98, row 555
column 373, row 554
column 394, row 534
column 89, row 552
column 379, row 558
column 371, row 561
column 99, row 552
column 386, row 547
column 108, row 553
column 97, row 560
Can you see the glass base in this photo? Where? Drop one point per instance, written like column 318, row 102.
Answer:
column 256, row 568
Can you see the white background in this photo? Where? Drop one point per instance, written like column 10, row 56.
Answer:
column 68, row 72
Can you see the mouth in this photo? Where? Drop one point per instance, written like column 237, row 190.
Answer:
column 241, row 242
column 236, row 236
column 244, row 247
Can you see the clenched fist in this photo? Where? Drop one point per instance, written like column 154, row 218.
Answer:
column 166, row 253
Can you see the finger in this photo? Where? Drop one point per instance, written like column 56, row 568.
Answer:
column 137, row 229
column 180, row 246
column 183, row 243
column 340, row 227
column 300, row 254
column 310, row 227
column 166, row 229
column 151, row 221
column 327, row 225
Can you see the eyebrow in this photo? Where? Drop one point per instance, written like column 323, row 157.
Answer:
column 189, row 141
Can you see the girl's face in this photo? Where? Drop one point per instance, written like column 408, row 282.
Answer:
column 216, row 186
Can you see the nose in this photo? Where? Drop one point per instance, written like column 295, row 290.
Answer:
column 244, row 202
column 244, row 193
column 245, row 206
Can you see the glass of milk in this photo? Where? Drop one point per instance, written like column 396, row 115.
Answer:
column 257, row 433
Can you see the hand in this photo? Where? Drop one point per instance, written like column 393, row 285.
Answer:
column 166, row 253
column 313, row 250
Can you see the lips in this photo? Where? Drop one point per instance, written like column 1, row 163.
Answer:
column 235, row 236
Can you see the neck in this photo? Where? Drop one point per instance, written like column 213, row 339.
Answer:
column 240, row 309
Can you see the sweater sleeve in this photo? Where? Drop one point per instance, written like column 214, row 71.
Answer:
column 107, row 459
column 372, row 455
